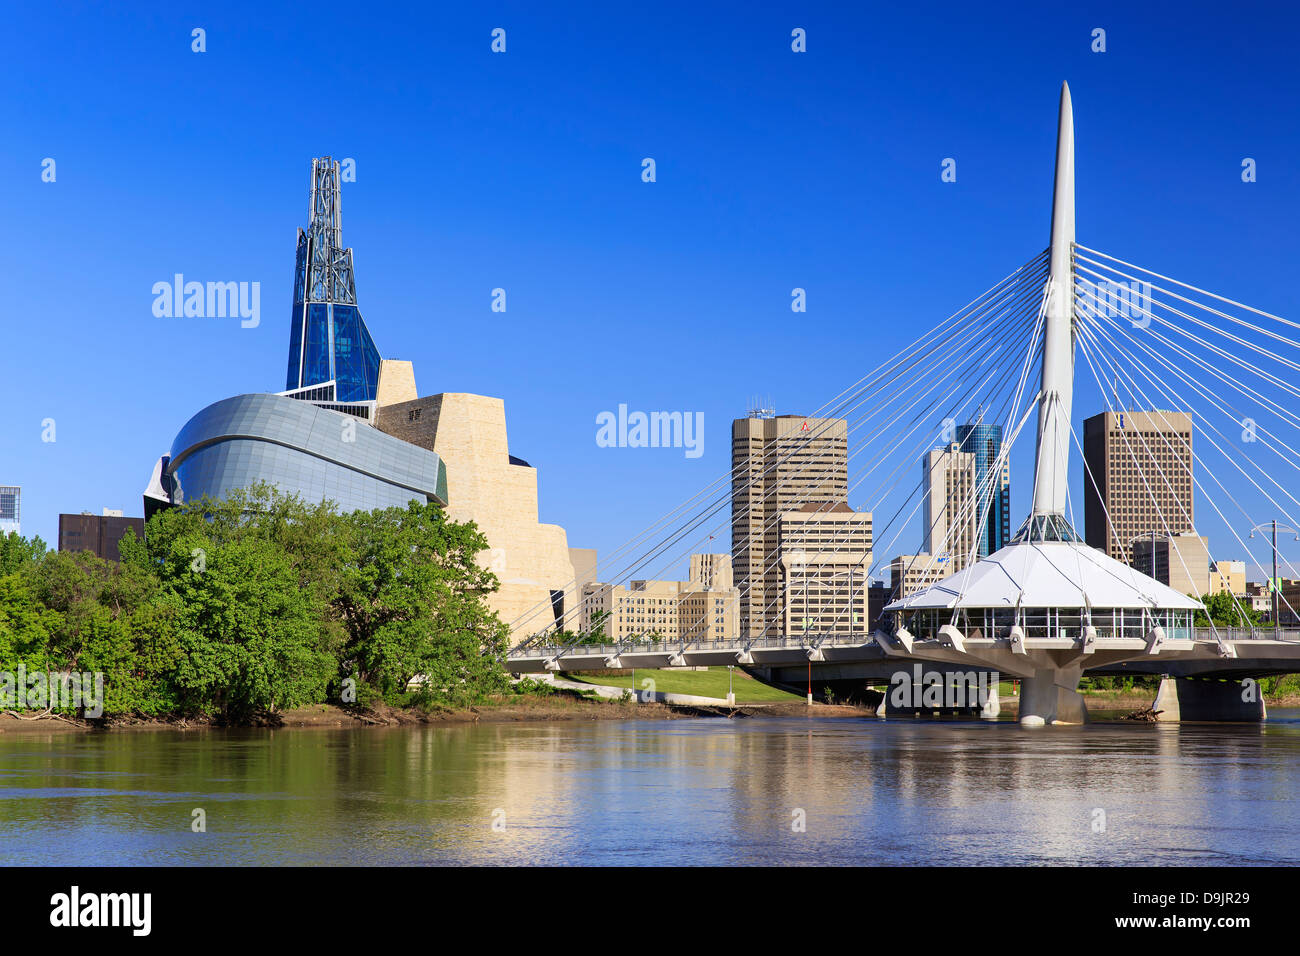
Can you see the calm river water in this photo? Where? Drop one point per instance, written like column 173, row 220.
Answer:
column 697, row 791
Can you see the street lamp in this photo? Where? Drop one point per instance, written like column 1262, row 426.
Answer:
column 1273, row 582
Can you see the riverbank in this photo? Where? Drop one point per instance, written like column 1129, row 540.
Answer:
column 559, row 706
column 505, row 709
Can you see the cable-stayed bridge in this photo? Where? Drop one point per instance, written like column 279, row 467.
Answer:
column 1045, row 608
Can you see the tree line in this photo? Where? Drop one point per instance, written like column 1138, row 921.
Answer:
column 241, row 608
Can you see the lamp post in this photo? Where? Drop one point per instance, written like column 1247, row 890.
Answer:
column 1273, row 586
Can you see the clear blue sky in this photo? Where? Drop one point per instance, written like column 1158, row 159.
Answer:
column 522, row 171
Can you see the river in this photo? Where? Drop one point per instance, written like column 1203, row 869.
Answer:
column 691, row 791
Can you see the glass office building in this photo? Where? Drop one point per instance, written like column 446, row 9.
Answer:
column 302, row 449
column 984, row 441
column 11, row 497
column 328, row 338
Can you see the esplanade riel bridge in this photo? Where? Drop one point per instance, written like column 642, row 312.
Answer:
column 1215, row 382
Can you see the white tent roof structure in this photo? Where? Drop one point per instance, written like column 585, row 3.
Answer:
column 1055, row 574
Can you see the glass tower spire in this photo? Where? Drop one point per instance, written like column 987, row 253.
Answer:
column 328, row 339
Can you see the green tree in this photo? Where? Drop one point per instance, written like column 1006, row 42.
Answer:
column 243, row 586
column 1226, row 611
column 411, row 600
column 17, row 552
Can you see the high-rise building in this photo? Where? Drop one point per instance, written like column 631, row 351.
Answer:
column 992, row 484
column 949, row 511
column 824, row 556
column 1141, row 463
column 778, row 464
column 330, row 347
column 11, row 499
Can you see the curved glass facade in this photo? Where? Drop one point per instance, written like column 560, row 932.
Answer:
column 312, row 452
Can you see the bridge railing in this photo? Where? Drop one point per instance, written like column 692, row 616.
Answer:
column 673, row 647
column 823, row 640
column 1260, row 633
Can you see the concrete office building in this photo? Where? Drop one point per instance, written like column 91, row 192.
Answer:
column 691, row 610
column 100, row 534
column 1181, row 561
column 778, row 463
column 1260, row 598
column 352, row 428
column 949, row 514
column 1229, row 576
column 912, row 572
column 1142, row 465
column 824, row 551
column 11, row 499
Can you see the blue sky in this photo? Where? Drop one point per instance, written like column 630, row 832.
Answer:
column 522, row 171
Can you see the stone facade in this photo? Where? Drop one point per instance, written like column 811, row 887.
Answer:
column 824, row 553
column 499, row 494
column 701, row 609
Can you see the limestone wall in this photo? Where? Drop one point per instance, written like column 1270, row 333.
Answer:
column 530, row 558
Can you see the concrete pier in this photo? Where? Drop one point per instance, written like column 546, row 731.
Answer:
column 1208, row 699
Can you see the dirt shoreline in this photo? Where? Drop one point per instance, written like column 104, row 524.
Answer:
column 504, row 711
column 525, row 710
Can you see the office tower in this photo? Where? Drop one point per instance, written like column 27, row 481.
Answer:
column 949, row 514
column 992, row 483
column 1141, row 463
column 11, row 497
column 778, row 464
column 329, row 344
column 824, row 555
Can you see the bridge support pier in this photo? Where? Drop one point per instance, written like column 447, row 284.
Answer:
column 1050, row 696
column 1180, row 699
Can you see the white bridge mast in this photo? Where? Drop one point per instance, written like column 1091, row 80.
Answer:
column 1051, row 465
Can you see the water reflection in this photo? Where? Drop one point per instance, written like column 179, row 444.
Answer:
column 660, row 792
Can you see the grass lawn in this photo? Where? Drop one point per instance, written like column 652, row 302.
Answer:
column 710, row 683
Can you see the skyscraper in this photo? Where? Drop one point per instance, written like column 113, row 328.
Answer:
column 949, row 514
column 1142, row 465
column 778, row 464
column 993, row 517
column 328, row 339
column 11, row 497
